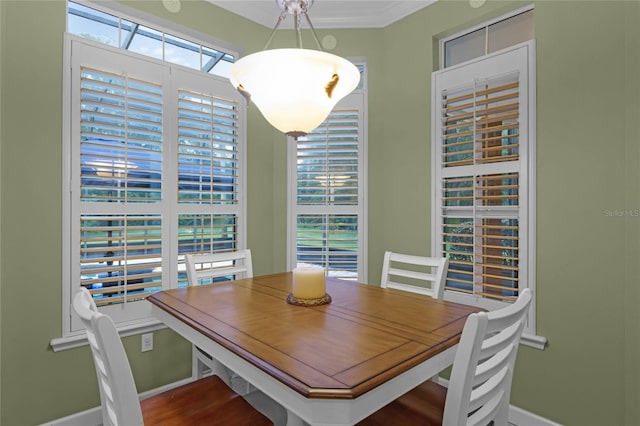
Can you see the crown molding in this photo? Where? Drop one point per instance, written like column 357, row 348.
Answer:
column 329, row 13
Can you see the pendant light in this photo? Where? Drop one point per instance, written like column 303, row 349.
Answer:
column 295, row 89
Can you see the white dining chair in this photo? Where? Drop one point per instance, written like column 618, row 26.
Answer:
column 416, row 274
column 480, row 386
column 205, row 401
column 205, row 269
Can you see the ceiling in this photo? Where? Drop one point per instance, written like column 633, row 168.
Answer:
column 329, row 13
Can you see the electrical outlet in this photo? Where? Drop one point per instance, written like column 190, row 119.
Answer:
column 147, row 342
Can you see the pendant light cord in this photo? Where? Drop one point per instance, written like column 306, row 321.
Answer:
column 273, row 31
column 313, row 31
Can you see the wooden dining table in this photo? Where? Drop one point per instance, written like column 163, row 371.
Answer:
column 332, row 364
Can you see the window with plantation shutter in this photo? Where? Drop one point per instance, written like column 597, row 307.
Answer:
column 208, row 175
column 121, row 119
column 155, row 171
column 326, row 186
column 483, row 172
column 118, row 161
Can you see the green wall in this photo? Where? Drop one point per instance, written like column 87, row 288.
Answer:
column 588, row 89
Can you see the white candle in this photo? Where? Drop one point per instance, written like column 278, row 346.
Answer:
column 308, row 282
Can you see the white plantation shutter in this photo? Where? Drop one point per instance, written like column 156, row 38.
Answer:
column 208, row 149
column 476, row 119
column 121, row 162
column 207, row 233
column 118, row 150
column 121, row 138
column 327, row 193
column 156, row 171
column 210, row 165
column 328, row 160
column 121, row 256
column 483, row 148
column 480, row 235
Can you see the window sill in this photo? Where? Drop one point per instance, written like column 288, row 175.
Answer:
column 80, row 339
column 535, row 341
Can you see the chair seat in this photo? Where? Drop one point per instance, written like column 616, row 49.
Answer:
column 424, row 406
column 207, row 401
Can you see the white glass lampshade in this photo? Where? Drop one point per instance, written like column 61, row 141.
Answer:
column 295, row 89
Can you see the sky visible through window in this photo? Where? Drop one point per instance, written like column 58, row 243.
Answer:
column 114, row 31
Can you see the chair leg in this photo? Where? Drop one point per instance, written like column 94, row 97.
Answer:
column 502, row 417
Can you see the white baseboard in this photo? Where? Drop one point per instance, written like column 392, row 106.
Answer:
column 93, row 416
column 520, row 417
column 90, row 417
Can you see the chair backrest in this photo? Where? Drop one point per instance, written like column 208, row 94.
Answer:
column 118, row 394
column 203, row 268
column 407, row 272
column 480, row 385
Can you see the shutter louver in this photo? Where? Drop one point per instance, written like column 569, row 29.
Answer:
column 208, row 149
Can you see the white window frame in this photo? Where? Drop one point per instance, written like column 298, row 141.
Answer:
column 502, row 63
column 141, row 320
column 122, row 11
column 357, row 99
column 485, row 25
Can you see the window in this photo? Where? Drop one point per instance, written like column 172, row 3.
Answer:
column 104, row 27
column 483, row 178
column 327, row 171
column 488, row 38
column 120, row 160
column 155, row 156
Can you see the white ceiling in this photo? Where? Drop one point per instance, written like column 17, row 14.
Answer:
column 329, row 13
